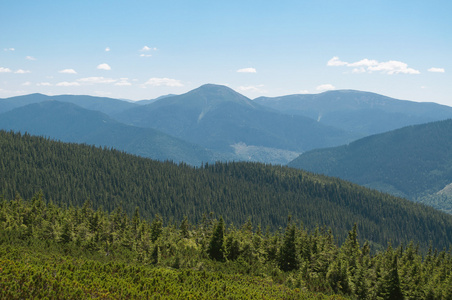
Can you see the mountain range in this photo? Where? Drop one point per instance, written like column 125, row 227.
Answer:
column 363, row 113
column 71, row 123
column 218, row 118
column 414, row 162
column 214, row 122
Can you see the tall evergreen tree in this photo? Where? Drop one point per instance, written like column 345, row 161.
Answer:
column 216, row 248
column 288, row 258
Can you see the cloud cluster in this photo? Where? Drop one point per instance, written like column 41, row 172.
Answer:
column 5, row 70
column 65, row 83
column 68, row 71
column 325, row 87
column 163, row 82
column 96, row 80
column 370, row 65
column 252, row 88
column 20, row 71
column 437, row 70
column 147, row 49
column 8, row 70
column 30, row 58
column 247, row 70
column 123, row 82
column 104, row 66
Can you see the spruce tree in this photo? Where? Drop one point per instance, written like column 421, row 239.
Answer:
column 216, row 249
column 288, row 258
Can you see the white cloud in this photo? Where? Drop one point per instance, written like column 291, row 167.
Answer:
column 123, row 82
column 437, row 70
column 163, row 82
column 5, row 70
column 247, row 70
column 325, row 87
column 68, row 71
column 145, row 55
column 370, row 65
column 107, row 49
column 44, row 84
column 146, row 49
column 363, row 63
column 304, row 92
column 94, row 80
column 335, row 62
column 9, row 49
column 393, row 67
column 104, row 67
column 30, row 58
column 252, row 88
column 26, row 83
column 65, row 83
column 20, row 71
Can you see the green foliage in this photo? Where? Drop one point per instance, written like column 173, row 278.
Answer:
column 70, row 174
column 41, row 256
column 216, row 249
column 413, row 162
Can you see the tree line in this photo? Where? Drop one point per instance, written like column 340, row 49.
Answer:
column 71, row 174
column 296, row 258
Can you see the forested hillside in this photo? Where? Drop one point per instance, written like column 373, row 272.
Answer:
column 78, row 253
column 414, row 162
column 71, row 123
column 70, row 174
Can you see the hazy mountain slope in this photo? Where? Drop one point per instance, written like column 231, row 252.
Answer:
column 361, row 112
column 218, row 118
column 71, row 123
column 72, row 173
column 108, row 106
column 413, row 162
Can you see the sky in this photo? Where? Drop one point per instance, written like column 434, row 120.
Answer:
column 140, row 50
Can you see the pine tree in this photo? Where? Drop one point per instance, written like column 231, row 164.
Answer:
column 216, row 249
column 288, row 258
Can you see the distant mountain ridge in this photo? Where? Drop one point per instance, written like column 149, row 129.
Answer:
column 218, row 118
column 364, row 113
column 413, row 162
column 71, row 123
column 269, row 130
column 108, row 106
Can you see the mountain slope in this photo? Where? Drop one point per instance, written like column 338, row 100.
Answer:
column 108, row 106
column 219, row 118
column 412, row 162
column 71, row 123
column 71, row 174
column 361, row 112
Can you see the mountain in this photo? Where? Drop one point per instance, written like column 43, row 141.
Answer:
column 221, row 119
column 143, row 102
column 414, row 162
column 108, row 106
column 71, row 174
column 71, row 123
column 361, row 112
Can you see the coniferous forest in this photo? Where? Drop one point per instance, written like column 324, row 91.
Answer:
column 78, row 221
column 47, row 251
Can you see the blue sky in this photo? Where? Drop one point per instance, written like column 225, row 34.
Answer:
column 143, row 49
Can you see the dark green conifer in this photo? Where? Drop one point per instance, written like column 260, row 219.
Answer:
column 216, row 249
column 288, row 258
